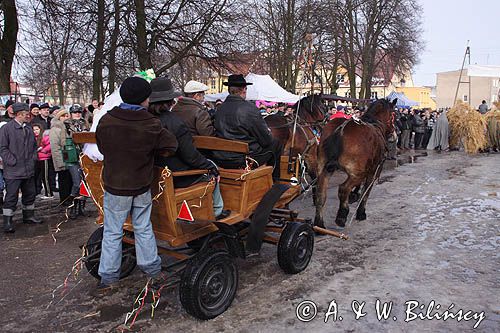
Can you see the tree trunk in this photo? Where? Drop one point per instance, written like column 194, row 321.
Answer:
column 60, row 90
column 99, row 52
column 8, row 43
column 142, row 37
column 113, row 47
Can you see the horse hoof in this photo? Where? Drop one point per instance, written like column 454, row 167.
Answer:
column 340, row 222
column 318, row 222
column 361, row 216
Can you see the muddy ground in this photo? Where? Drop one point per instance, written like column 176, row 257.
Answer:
column 432, row 234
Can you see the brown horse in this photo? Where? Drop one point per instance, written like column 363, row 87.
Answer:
column 358, row 148
column 310, row 117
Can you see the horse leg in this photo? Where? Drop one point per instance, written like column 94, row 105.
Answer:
column 344, row 191
column 354, row 195
column 369, row 183
column 321, row 195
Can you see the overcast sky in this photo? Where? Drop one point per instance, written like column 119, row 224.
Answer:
column 448, row 24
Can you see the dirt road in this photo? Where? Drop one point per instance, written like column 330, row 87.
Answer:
column 432, row 237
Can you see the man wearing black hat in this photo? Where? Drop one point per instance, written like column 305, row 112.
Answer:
column 187, row 156
column 129, row 136
column 237, row 119
column 18, row 150
column 34, row 110
column 44, row 117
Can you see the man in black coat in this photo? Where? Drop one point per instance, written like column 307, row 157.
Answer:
column 187, row 156
column 18, row 150
column 43, row 118
column 237, row 119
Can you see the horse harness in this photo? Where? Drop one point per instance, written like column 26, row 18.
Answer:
column 377, row 126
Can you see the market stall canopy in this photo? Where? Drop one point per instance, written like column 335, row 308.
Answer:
column 483, row 71
column 403, row 101
column 264, row 88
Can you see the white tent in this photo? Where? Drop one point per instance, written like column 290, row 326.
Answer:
column 264, row 88
column 213, row 97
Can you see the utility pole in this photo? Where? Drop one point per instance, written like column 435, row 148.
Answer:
column 466, row 55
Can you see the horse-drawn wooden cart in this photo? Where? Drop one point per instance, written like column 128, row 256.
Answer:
column 205, row 249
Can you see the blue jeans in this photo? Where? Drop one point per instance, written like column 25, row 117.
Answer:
column 76, row 178
column 116, row 211
column 217, row 199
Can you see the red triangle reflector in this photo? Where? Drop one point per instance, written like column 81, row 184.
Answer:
column 185, row 213
column 83, row 190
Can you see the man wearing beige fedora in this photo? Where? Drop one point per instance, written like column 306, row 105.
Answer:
column 191, row 110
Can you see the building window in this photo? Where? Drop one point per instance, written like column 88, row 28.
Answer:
column 317, row 79
column 466, row 98
column 212, row 83
column 374, row 95
column 340, row 78
column 348, row 94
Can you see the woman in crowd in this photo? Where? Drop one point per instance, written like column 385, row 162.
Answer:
column 75, row 124
column 43, row 164
column 57, row 137
column 419, row 129
column 429, row 124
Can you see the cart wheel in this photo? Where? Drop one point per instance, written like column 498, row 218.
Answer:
column 295, row 247
column 93, row 253
column 209, row 284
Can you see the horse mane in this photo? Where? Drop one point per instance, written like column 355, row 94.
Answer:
column 370, row 116
column 306, row 104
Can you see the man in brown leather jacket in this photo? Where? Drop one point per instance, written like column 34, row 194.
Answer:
column 191, row 110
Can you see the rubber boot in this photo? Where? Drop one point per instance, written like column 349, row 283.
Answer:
column 81, row 207
column 8, row 226
column 29, row 217
column 73, row 209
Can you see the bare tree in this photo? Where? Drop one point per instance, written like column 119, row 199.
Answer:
column 60, row 57
column 8, row 42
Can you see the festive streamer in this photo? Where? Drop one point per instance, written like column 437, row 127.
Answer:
column 57, row 229
column 165, row 173
column 85, row 172
column 211, row 182
column 75, row 271
column 249, row 162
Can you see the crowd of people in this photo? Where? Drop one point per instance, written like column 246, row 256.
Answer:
column 39, row 157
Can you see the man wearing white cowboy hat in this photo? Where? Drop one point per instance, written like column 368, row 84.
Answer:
column 191, row 110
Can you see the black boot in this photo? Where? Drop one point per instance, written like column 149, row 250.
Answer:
column 8, row 226
column 29, row 217
column 81, row 207
column 73, row 209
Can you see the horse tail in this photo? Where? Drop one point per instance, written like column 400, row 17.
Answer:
column 333, row 148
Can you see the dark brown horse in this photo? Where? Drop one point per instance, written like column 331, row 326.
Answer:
column 358, row 148
column 310, row 117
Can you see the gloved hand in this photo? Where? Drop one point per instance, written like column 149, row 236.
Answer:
column 214, row 173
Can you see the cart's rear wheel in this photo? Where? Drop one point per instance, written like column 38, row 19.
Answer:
column 295, row 247
column 209, row 284
column 93, row 253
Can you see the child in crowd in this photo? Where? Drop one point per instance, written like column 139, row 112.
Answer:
column 42, row 166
